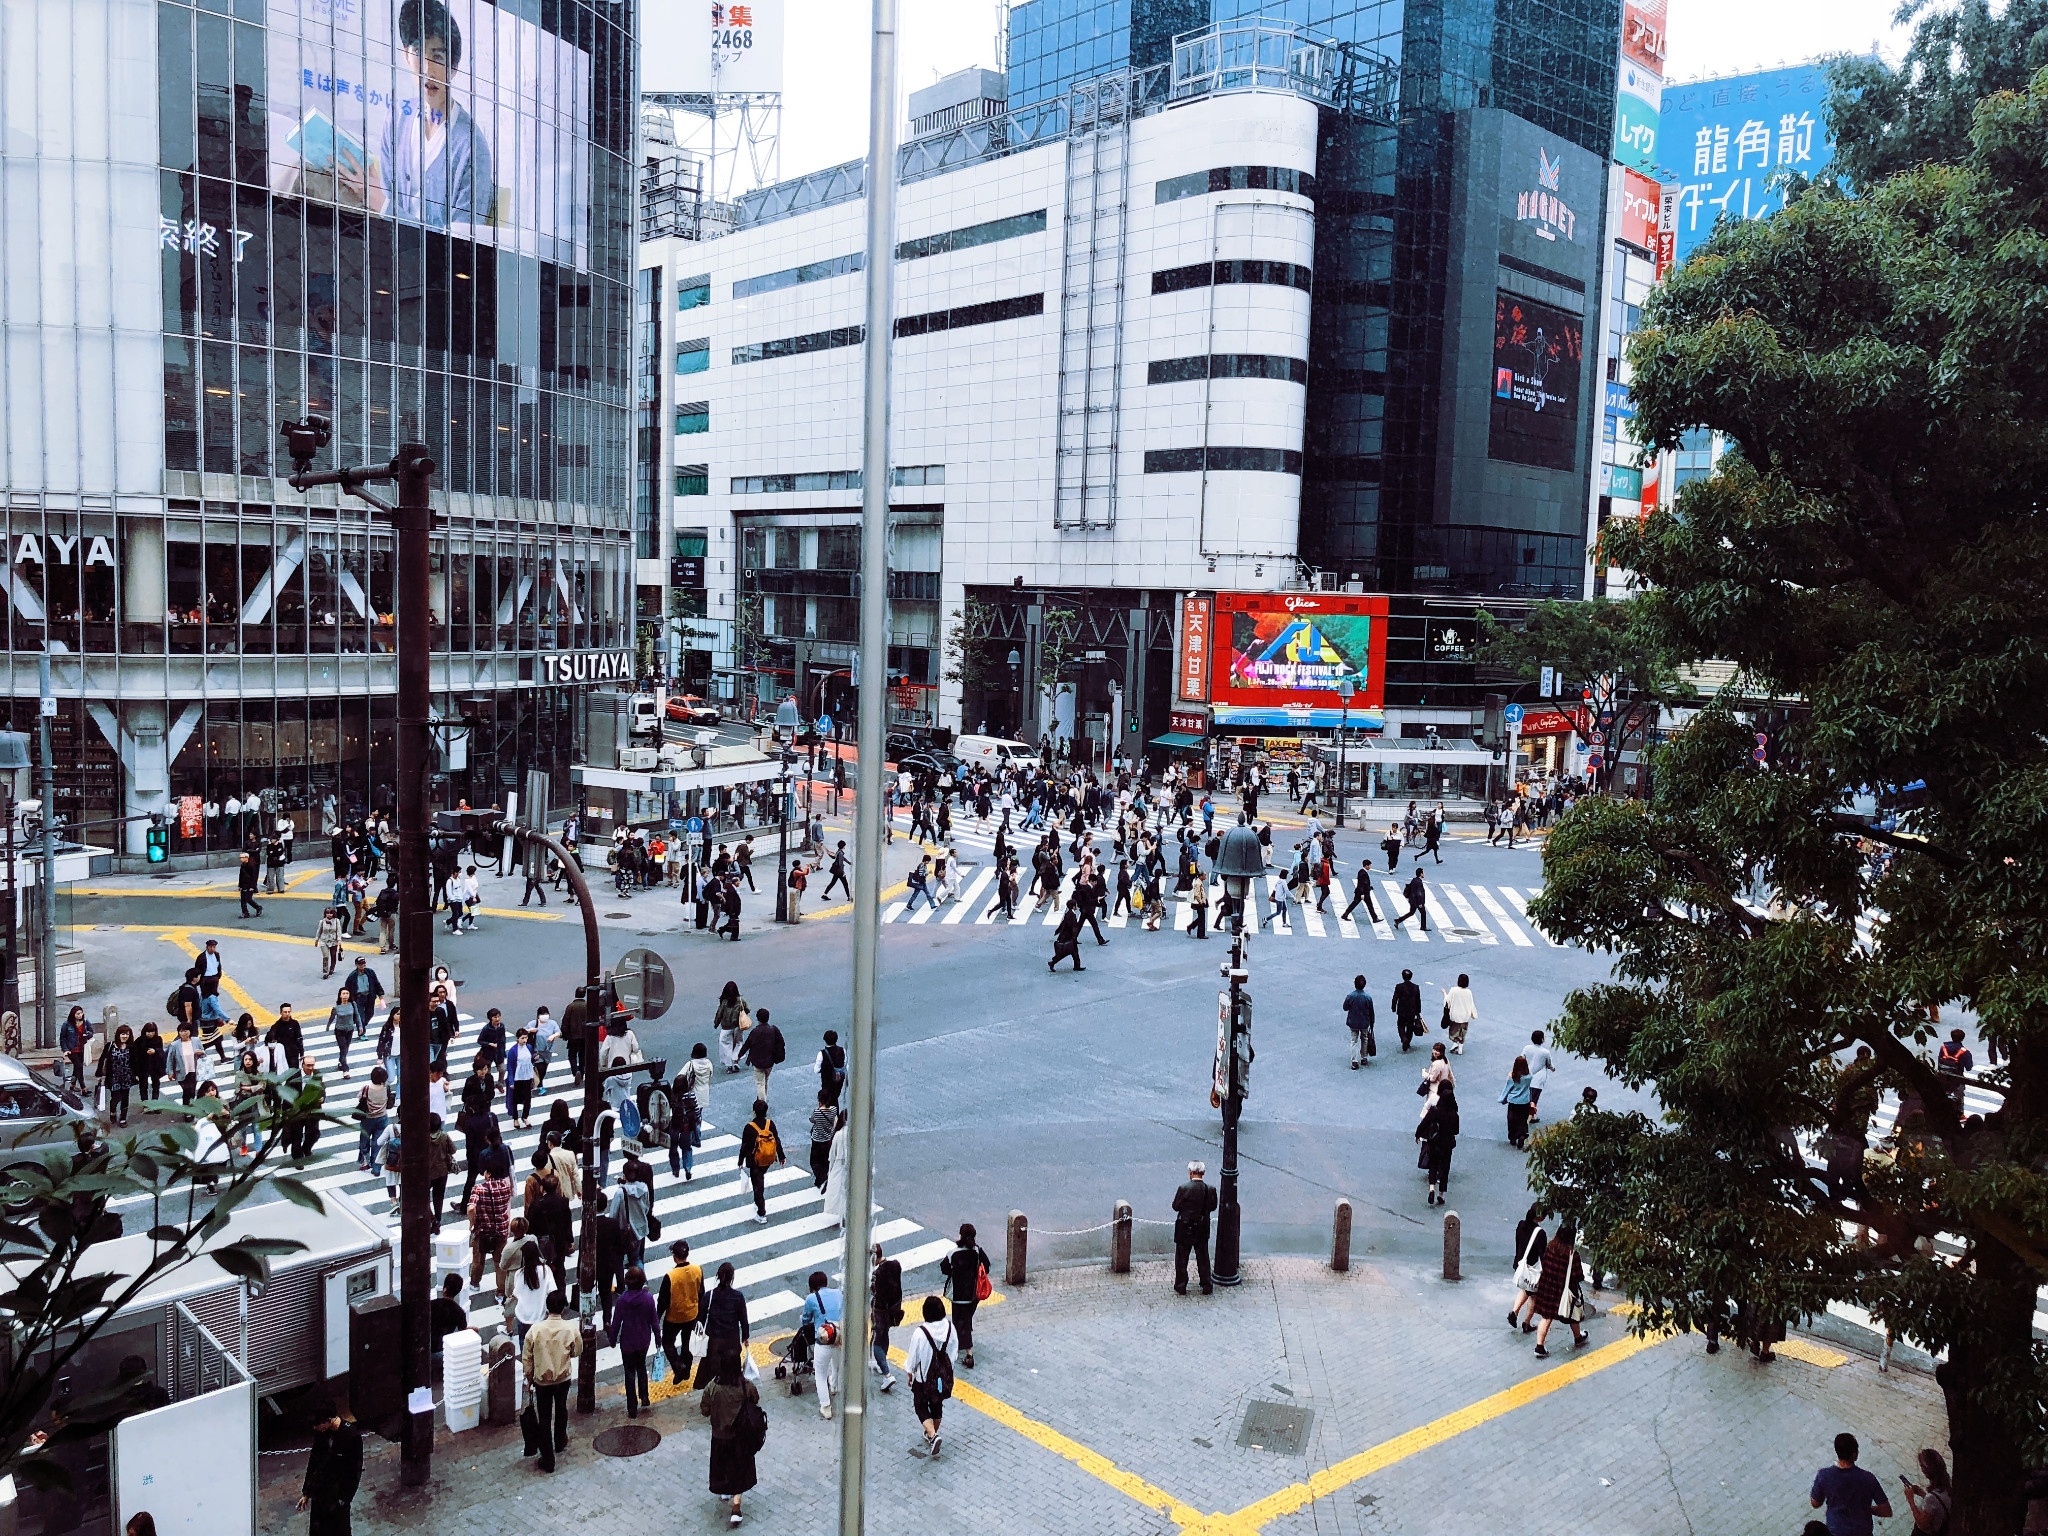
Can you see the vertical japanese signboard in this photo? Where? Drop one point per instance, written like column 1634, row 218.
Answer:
column 1197, row 619
column 1724, row 141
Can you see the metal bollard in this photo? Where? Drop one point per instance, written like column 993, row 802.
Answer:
column 1452, row 1230
column 1340, row 1237
column 1013, row 1263
column 1120, row 1239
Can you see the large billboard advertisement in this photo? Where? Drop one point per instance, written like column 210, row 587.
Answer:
column 711, row 45
column 1280, row 656
column 1537, row 353
column 1642, row 33
column 459, row 115
column 1725, row 139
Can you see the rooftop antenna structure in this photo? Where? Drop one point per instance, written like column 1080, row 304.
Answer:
column 717, row 72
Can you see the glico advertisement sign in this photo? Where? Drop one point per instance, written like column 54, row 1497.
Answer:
column 1280, row 656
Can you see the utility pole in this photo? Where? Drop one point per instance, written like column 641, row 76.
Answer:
column 788, row 797
column 1229, row 1216
column 46, row 904
column 880, row 271
column 1344, row 687
column 413, row 516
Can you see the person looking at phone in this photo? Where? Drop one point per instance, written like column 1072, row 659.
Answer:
column 1932, row 1505
column 434, row 166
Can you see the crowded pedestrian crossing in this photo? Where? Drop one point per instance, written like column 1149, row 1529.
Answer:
column 713, row 1210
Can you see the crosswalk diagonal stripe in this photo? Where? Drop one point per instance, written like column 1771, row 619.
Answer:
column 969, row 896
column 1500, row 916
column 1396, row 905
column 1472, row 920
column 1520, row 904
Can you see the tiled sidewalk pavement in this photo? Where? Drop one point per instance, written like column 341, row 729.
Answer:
column 1115, row 1406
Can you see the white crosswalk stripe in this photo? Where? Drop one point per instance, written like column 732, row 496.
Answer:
column 714, row 1209
column 1500, row 916
column 1521, row 906
column 1465, row 911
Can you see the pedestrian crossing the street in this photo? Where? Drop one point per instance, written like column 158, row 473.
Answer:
column 1459, row 913
column 713, row 1210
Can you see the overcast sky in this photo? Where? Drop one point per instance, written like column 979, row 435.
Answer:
column 825, row 67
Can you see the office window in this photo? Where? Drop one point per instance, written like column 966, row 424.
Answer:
column 1283, row 274
column 971, row 314
column 1227, row 365
column 789, row 277
column 972, row 235
column 774, row 485
column 693, row 479
column 693, row 416
column 693, row 292
column 920, row 474
column 1167, row 461
column 693, row 356
column 1236, row 178
column 793, row 346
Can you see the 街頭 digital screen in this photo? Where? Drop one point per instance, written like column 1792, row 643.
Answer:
column 459, row 115
column 1537, row 355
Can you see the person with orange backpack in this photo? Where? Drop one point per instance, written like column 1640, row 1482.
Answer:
column 966, row 1270
column 760, row 1150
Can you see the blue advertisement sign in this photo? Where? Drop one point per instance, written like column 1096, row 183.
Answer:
column 1725, row 139
column 1635, row 133
column 1619, row 402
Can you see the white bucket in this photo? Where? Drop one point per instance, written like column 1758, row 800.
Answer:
column 462, row 1379
column 451, row 1253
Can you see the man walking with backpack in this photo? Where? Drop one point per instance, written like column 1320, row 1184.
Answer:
column 1418, row 901
column 760, row 1150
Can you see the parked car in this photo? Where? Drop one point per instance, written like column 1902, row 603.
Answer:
column 692, row 710
column 38, row 1114
column 643, row 715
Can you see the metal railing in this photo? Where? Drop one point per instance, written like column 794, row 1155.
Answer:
column 200, row 1363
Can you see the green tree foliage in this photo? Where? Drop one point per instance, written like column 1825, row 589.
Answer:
column 1876, row 548
column 56, row 1296
column 1885, row 120
column 974, row 653
column 1602, row 647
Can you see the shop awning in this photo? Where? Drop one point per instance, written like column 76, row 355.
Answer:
column 1178, row 739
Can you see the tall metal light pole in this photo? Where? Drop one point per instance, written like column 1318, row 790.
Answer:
column 1344, row 689
column 414, row 471
column 46, row 879
column 1239, row 861
column 788, row 797
column 867, row 808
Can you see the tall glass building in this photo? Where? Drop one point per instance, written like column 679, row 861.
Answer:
column 413, row 217
column 1432, row 279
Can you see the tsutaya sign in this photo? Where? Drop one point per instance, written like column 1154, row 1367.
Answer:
column 586, row 667
column 1542, row 206
column 28, row 549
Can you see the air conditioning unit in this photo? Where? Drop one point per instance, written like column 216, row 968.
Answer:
column 639, row 759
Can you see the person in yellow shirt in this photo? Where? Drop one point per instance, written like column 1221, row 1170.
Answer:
column 677, row 1303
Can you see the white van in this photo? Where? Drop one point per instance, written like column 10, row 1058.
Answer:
column 643, row 715
column 994, row 752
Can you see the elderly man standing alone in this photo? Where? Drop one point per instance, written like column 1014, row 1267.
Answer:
column 1193, row 1203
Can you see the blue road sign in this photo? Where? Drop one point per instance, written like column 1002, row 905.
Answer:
column 694, row 825
column 1512, row 714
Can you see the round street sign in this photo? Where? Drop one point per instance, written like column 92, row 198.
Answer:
column 694, row 825
column 1512, row 714
column 645, row 983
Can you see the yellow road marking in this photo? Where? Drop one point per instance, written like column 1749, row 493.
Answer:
column 228, row 984
column 1812, row 1354
column 1093, row 1463
column 846, row 906
column 1297, row 1496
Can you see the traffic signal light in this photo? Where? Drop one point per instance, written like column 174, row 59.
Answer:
column 157, row 841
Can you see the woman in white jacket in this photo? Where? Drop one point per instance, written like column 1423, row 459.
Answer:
column 835, row 1174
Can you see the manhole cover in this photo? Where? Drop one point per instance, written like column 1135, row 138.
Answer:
column 1280, row 1428
column 626, row 1440
column 618, row 914
column 1465, row 933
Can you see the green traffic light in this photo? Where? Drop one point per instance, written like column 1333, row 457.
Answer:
column 157, row 844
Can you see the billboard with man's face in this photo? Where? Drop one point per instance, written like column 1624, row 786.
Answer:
column 459, row 115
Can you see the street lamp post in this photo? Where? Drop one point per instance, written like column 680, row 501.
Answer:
column 1345, row 686
column 414, row 519
column 1017, row 687
column 782, row 838
column 1239, row 861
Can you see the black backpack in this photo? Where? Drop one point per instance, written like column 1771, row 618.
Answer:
column 939, row 1377
column 751, row 1428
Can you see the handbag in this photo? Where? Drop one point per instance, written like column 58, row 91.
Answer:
column 1421, row 1153
column 1574, row 1310
column 1529, row 1272
column 653, row 1227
